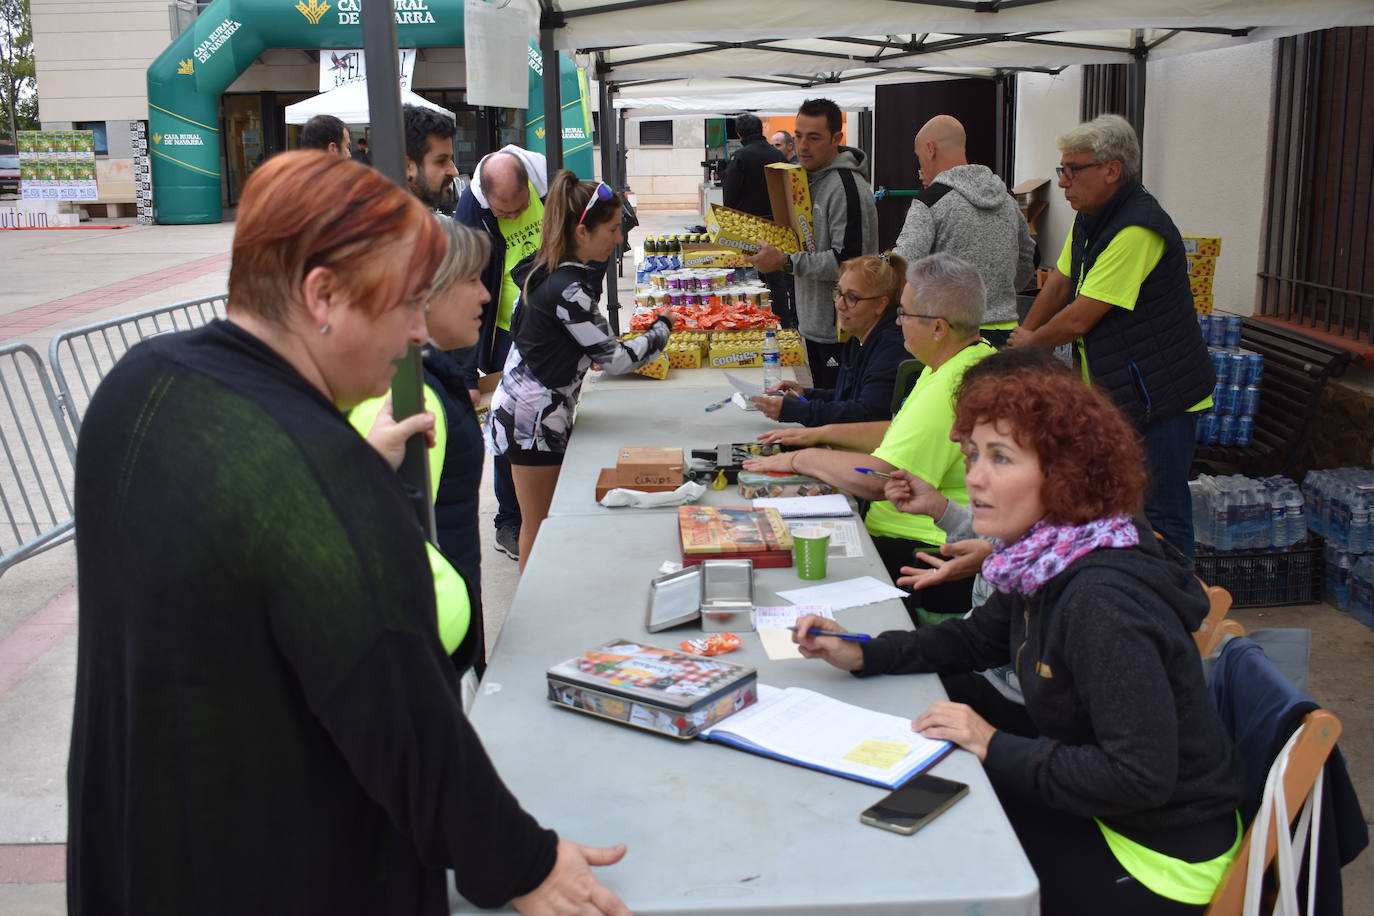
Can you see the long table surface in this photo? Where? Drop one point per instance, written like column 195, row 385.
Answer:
column 711, row 829
column 608, row 418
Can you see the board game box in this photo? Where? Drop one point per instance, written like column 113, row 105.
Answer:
column 734, row 532
column 661, row 690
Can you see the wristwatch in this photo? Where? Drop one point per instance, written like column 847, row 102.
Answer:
column 787, row 265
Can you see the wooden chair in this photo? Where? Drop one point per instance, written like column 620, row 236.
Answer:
column 1210, row 633
column 1315, row 739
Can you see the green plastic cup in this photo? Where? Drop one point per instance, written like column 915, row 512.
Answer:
column 809, row 547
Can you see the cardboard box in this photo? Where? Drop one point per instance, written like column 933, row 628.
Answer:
column 1203, row 304
column 1207, row 246
column 1031, row 200
column 1200, row 286
column 700, row 254
column 641, row 466
column 792, row 227
column 1201, row 266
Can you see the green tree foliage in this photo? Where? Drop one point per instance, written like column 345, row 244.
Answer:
column 18, row 82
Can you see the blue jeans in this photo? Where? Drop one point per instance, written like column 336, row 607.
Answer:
column 1168, row 456
column 507, row 506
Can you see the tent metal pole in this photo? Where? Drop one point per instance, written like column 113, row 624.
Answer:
column 388, row 156
column 553, row 97
column 1139, row 58
column 606, row 134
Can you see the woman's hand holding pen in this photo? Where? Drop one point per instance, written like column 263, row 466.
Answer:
column 847, row 656
column 787, row 388
column 912, row 495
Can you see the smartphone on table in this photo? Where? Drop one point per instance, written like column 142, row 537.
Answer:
column 915, row 803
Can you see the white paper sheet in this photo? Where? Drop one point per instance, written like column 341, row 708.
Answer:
column 772, row 623
column 840, row 595
column 748, row 389
column 832, row 505
column 844, row 535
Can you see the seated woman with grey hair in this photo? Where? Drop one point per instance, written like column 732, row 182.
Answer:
column 942, row 307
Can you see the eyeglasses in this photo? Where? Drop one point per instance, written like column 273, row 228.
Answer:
column 1071, row 171
column 850, row 300
column 903, row 315
column 603, row 192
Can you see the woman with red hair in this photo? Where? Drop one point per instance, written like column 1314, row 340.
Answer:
column 266, row 720
column 1125, row 801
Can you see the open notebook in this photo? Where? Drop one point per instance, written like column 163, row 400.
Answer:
column 813, row 730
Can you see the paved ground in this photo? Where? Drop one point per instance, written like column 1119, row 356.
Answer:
column 59, row 279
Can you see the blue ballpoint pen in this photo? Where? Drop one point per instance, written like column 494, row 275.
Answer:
column 718, row 404
column 838, row 634
column 874, row 473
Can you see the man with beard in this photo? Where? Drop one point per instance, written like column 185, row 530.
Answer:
column 429, row 156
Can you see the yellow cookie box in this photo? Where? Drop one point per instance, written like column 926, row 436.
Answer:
column 1200, row 286
column 1201, row 266
column 739, row 231
column 1207, row 246
column 1202, row 304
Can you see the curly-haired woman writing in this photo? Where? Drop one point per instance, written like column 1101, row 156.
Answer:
column 1126, row 801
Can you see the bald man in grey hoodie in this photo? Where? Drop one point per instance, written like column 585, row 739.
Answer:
column 966, row 211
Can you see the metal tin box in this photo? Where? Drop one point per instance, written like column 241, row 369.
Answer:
column 660, row 690
column 727, row 595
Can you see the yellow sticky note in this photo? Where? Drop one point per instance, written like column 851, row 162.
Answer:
column 881, row 755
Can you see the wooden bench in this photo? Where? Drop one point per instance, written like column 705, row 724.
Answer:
column 1296, row 368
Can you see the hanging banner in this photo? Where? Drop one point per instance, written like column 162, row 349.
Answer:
column 339, row 68
column 577, row 113
column 495, row 39
column 57, row 165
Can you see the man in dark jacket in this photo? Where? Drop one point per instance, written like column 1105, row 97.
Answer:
column 1120, row 288
column 744, row 186
column 506, row 201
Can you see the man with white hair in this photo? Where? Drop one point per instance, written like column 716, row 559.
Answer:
column 1120, row 288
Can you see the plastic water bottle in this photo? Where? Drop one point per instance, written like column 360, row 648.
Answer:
column 1278, row 519
column 1296, row 512
column 1359, row 522
column 1221, row 512
column 772, row 361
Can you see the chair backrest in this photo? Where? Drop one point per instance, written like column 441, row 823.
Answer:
column 908, row 371
column 1320, row 731
column 1316, row 738
column 1208, row 635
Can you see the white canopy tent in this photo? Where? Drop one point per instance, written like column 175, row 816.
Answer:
column 720, row 55
column 348, row 103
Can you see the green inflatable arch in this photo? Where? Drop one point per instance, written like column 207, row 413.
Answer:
column 185, row 82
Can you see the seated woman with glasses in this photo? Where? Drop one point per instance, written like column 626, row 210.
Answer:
column 866, row 299
column 1124, row 799
column 942, row 307
column 557, row 333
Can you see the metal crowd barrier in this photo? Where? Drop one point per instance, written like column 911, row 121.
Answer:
column 80, row 358
column 37, row 459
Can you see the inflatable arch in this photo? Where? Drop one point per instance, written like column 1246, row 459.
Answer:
column 185, row 82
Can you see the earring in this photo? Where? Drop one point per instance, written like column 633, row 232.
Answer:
column 324, row 328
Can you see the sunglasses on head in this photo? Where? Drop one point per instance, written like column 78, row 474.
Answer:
column 603, row 192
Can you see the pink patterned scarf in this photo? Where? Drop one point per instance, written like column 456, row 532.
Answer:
column 1046, row 550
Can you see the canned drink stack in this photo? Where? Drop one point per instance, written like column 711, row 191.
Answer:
column 1233, row 326
column 1228, row 399
column 1207, row 428
column 1226, row 431
column 1245, row 429
column 1235, row 368
column 1216, row 331
column 1249, row 400
column 1254, row 368
column 1218, row 364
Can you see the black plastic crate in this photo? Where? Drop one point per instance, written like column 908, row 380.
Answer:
column 1291, row 575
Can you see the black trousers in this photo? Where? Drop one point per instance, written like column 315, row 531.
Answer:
column 819, row 356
